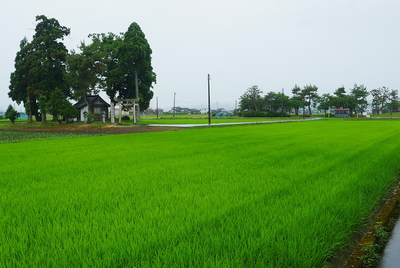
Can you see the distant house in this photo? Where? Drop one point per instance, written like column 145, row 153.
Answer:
column 376, row 111
column 99, row 106
column 342, row 112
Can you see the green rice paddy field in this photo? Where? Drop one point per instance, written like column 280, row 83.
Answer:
column 276, row 195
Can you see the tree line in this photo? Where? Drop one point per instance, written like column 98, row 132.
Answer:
column 252, row 103
column 47, row 76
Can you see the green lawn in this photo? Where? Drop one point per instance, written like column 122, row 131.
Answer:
column 280, row 195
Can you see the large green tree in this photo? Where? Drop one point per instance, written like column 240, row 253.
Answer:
column 393, row 103
column 20, row 89
column 277, row 102
column 134, row 60
column 127, row 70
column 310, row 96
column 360, row 94
column 58, row 104
column 325, row 102
column 40, row 66
column 379, row 98
column 111, row 73
column 48, row 71
column 339, row 99
column 251, row 100
column 297, row 100
column 84, row 72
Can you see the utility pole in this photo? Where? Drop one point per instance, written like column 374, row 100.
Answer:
column 209, row 105
column 174, row 104
column 283, row 102
column 157, row 106
column 235, row 108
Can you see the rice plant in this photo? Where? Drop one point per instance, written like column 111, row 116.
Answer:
column 281, row 195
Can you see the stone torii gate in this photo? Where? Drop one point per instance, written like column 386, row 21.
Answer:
column 126, row 105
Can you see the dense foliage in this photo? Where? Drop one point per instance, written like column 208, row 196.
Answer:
column 119, row 65
column 252, row 103
column 40, row 68
column 11, row 114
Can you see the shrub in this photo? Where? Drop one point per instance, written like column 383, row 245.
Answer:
column 125, row 118
column 265, row 114
column 254, row 114
column 11, row 114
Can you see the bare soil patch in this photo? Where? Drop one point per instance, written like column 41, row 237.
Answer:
column 87, row 128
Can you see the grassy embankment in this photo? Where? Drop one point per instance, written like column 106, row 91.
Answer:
column 282, row 195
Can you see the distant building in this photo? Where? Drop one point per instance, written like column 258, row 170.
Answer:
column 376, row 111
column 203, row 110
column 158, row 111
column 99, row 106
column 342, row 112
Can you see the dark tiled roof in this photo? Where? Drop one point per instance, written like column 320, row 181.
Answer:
column 82, row 102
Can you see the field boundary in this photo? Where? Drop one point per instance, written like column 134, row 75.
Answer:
column 368, row 250
column 366, row 246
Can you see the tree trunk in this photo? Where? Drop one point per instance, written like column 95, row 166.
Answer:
column 137, row 97
column 44, row 119
column 89, row 114
column 55, row 118
column 112, row 113
column 30, row 110
column 38, row 117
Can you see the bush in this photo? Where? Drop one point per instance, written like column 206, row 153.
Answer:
column 89, row 118
column 11, row 114
column 125, row 118
column 254, row 114
column 277, row 114
column 265, row 114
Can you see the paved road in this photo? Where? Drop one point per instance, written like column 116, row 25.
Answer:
column 226, row 124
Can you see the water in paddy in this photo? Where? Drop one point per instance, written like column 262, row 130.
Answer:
column 391, row 255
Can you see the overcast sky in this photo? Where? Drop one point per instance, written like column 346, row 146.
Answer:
column 274, row 44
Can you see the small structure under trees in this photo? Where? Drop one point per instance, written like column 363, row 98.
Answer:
column 342, row 112
column 99, row 107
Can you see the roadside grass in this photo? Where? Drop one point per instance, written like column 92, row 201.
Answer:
column 280, row 195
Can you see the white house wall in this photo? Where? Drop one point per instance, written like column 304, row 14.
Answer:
column 85, row 109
